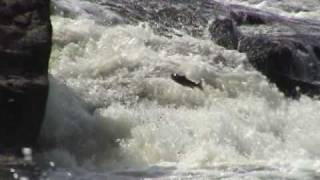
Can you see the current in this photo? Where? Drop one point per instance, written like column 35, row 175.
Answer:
column 114, row 112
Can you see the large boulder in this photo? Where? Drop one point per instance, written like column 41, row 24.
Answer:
column 285, row 50
column 25, row 45
column 290, row 62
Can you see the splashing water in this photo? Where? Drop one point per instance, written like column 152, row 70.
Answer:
column 114, row 112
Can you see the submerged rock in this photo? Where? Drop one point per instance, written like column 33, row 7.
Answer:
column 25, row 45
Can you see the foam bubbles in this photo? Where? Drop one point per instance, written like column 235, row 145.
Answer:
column 308, row 9
column 125, row 110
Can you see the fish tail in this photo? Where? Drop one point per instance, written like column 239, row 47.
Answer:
column 200, row 84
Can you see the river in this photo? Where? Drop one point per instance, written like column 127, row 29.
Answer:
column 114, row 112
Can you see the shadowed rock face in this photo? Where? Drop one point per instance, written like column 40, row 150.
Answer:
column 289, row 62
column 224, row 33
column 286, row 50
column 25, row 44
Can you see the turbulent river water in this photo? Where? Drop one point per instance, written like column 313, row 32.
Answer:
column 115, row 113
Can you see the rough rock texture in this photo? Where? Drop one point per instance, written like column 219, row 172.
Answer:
column 163, row 16
column 25, row 45
column 289, row 62
column 224, row 33
column 12, row 167
column 285, row 50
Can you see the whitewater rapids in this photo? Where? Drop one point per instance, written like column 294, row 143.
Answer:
column 114, row 113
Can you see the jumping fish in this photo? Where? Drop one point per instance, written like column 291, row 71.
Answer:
column 184, row 81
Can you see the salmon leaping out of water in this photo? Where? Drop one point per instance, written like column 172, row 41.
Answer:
column 182, row 80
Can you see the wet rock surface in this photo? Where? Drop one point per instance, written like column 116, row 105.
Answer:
column 288, row 61
column 25, row 45
column 287, row 54
column 286, row 50
column 12, row 167
column 224, row 33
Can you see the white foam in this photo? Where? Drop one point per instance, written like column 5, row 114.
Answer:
column 309, row 9
column 122, row 76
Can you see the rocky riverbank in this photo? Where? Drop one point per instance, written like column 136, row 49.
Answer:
column 25, row 46
column 286, row 50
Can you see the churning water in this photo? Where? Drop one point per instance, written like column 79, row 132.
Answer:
column 115, row 113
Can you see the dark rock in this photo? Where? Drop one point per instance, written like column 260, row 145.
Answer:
column 224, row 33
column 285, row 50
column 247, row 18
column 163, row 17
column 12, row 167
column 285, row 61
column 183, row 18
column 25, row 45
